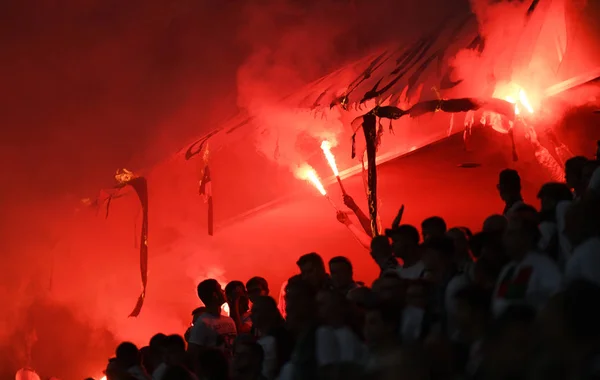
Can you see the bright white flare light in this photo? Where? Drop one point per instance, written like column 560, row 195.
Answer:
column 326, row 147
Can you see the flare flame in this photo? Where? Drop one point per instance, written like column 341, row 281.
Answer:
column 326, row 147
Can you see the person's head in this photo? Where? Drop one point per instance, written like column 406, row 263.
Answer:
column 509, row 185
column 211, row 294
column 438, row 258
column 551, row 194
column 312, row 269
column 265, row 313
column 340, row 269
column 521, row 236
column 405, row 242
column 574, row 172
column 300, row 303
column 257, row 286
column 381, row 250
column 236, row 290
column 174, row 349
column 156, row 349
column 473, row 306
column 433, row 227
column 495, row 224
column 382, row 324
column 127, row 355
column 509, row 340
column 389, row 288
column 248, row 357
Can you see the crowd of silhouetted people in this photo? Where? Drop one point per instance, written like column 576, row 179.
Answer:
column 519, row 299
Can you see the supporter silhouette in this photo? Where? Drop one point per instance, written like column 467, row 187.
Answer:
column 129, row 361
column 211, row 329
column 342, row 277
column 273, row 337
column 509, row 188
column 239, row 308
column 405, row 246
column 574, row 175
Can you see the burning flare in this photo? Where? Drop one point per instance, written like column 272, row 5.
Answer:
column 326, row 147
column 306, row 172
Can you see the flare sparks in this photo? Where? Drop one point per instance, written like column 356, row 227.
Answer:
column 326, row 147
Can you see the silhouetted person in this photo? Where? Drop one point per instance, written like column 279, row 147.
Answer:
column 129, row 360
column 239, row 307
column 574, row 175
column 509, row 188
column 405, row 245
column 211, row 329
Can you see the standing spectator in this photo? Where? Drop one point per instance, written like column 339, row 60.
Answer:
column 211, row 329
column 509, row 188
column 129, row 361
column 239, row 307
column 405, row 245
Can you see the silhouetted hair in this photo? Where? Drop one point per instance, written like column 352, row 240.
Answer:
column 341, row 260
column 576, row 165
column 311, row 258
column 232, row 285
column 257, row 282
column 158, row 340
column 127, row 355
column 442, row 244
column 409, row 231
column 555, row 190
column 435, row 222
column 510, row 178
column 175, row 341
column 206, row 290
column 381, row 243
